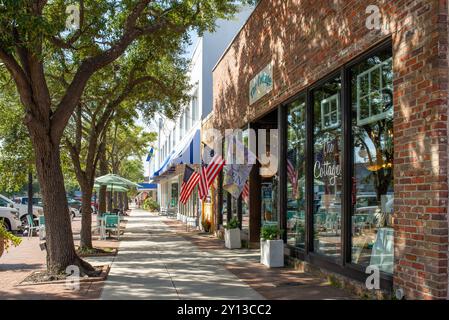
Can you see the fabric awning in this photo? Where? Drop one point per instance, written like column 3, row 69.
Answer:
column 162, row 168
column 190, row 152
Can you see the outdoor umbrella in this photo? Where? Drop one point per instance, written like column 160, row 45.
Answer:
column 109, row 188
column 114, row 181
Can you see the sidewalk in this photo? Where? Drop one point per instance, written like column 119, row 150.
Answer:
column 159, row 259
column 21, row 261
column 155, row 263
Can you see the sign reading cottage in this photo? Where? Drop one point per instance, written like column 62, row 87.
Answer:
column 261, row 84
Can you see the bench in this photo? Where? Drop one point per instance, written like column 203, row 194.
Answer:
column 172, row 213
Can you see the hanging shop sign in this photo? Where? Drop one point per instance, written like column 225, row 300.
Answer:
column 261, row 84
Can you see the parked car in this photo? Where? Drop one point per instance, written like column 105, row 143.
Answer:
column 10, row 218
column 77, row 203
column 74, row 203
column 21, row 204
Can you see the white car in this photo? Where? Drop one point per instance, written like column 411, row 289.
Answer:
column 21, row 204
column 10, row 219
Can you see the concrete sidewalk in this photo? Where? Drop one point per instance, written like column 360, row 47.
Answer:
column 155, row 263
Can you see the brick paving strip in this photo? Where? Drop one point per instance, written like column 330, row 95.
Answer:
column 277, row 283
column 20, row 262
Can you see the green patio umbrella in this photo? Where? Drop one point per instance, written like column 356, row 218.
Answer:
column 113, row 181
column 109, row 188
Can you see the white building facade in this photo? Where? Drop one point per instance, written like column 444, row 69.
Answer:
column 179, row 141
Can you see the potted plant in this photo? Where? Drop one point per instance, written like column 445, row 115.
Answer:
column 232, row 234
column 7, row 239
column 206, row 225
column 271, row 247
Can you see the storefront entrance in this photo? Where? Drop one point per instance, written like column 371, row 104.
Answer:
column 337, row 184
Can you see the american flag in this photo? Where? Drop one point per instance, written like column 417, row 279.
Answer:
column 245, row 192
column 214, row 167
column 203, row 188
column 291, row 171
column 191, row 179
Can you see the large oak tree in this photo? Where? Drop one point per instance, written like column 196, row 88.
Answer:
column 32, row 36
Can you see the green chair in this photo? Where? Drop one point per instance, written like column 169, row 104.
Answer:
column 112, row 224
column 42, row 233
column 30, row 226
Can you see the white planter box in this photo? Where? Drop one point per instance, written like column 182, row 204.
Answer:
column 272, row 253
column 232, row 239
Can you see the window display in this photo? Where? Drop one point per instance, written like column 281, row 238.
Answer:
column 372, row 130
column 296, row 141
column 327, row 169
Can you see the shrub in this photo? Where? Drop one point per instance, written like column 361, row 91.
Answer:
column 232, row 224
column 150, row 204
column 270, row 232
column 7, row 239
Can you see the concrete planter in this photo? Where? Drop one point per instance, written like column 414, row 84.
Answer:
column 272, row 253
column 232, row 239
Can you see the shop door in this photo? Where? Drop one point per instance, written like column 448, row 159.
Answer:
column 269, row 202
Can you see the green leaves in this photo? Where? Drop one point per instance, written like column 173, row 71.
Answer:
column 15, row 146
column 7, row 239
column 270, row 232
column 233, row 224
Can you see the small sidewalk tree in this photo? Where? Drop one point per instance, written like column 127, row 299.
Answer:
column 153, row 78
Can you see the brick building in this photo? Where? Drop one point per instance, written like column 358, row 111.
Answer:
column 359, row 99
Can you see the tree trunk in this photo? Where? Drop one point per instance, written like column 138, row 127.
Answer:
column 109, row 201
column 103, row 171
column 115, row 200
column 59, row 238
column 120, row 200
column 30, row 192
column 126, row 201
column 86, row 220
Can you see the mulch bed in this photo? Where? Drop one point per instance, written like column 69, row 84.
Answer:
column 40, row 277
column 98, row 252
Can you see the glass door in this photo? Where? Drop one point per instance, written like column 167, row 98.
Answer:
column 269, row 201
column 327, row 168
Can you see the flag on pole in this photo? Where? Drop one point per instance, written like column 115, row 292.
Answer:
column 214, row 167
column 150, row 154
column 237, row 174
column 189, row 182
column 203, row 189
column 291, row 171
column 245, row 192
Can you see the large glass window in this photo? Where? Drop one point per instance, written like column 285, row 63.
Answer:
column 195, row 107
column 174, row 195
column 327, row 168
column 372, row 130
column 296, row 141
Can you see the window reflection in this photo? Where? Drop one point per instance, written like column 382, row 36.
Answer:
column 372, row 129
column 327, row 170
column 296, row 139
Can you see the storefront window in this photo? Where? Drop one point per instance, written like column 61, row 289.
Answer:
column 270, row 181
column 327, row 168
column 296, row 141
column 372, row 191
column 174, row 195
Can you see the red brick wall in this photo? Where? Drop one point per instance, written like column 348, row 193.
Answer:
column 306, row 40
